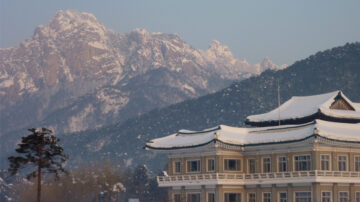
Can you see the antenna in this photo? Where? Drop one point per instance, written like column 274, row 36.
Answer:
column 279, row 100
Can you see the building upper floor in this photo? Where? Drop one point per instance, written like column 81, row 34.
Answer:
column 266, row 163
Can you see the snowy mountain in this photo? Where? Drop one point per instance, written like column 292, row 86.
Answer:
column 75, row 74
column 268, row 64
column 330, row 70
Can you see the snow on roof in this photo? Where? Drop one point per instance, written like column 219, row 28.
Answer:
column 303, row 106
column 253, row 136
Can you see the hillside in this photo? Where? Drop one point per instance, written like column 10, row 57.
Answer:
column 337, row 68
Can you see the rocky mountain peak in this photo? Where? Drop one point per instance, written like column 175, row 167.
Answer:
column 266, row 64
column 67, row 24
column 220, row 50
column 97, row 71
column 219, row 53
column 140, row 35
column 69, row 19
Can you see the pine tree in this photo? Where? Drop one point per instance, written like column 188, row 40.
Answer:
column 39, row 150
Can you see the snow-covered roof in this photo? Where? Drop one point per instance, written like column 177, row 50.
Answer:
column 256, row 136
column 299, row 107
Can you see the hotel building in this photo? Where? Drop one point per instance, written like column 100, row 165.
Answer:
column 310, row 154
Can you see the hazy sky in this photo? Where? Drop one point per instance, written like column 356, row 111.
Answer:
column 286, row 30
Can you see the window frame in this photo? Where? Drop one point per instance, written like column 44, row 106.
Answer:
column 321, row 196
column 207, row 196
column 263, row 196
column 236, row 159
column 207, row 164
column 357, row 192
column 248, row 162
column 229, row 192
column 287, row 163
column 191, row 193
column 173, row 195
column 303, row 192
column 263, row 164
column 177, row 161
column 199, row 166
column 287, row 197
column 310, row 162
column 346, row 162
column 249, row 196
column 356, row 156
column 348, row 195
column 329, row 162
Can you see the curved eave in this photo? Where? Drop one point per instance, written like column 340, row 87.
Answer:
column 147, row 147
column 229, row 144
column 318, row 115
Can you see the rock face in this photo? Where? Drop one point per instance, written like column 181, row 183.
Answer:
column 75, row 74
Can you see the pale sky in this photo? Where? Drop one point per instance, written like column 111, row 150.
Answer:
column 286, row 30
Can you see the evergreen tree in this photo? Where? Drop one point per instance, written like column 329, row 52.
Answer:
column 40, row 150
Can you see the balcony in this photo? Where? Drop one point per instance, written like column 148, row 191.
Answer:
column 260, row 178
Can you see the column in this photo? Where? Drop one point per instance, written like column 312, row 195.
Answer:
column 258, row 164
column 291, row 162
column 290, row 192
column 258, row 193
column 203, row 193
column 274, row 194
column 352, row 192
column 335, row 192
column 183, row 194
column 316, row 192
column 315, row 156
column 274, row 163
column 218, row 194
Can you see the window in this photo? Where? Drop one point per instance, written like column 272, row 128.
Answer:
column 252, row 197
column 177, row 167
column 325, row 196
column 283, row 196
column 252, row 165
column 357, row 196
column 357, row 163
column 211, row 197
column 302, row 163
column 267, row 165
column 232, row 164
column 267, row 197
column 193, row 197
column 302, row 196
column 232, row 197
column 343, row 196
column 177, row 198
column 211, row 165
column 325, row 162
column 342, row 163
column 193, row 166
column 283, row 161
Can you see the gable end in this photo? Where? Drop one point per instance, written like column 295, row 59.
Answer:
column 341, row 103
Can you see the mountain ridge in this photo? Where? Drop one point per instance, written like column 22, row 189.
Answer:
column 76, row 68
column 327, row 71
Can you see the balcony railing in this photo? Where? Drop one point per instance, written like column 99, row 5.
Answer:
column 260, row 178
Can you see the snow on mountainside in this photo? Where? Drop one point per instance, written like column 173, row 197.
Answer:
column 74, row 74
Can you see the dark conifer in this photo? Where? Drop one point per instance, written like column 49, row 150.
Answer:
column 39, row 150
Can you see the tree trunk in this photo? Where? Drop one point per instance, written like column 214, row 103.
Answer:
column 39, row 176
